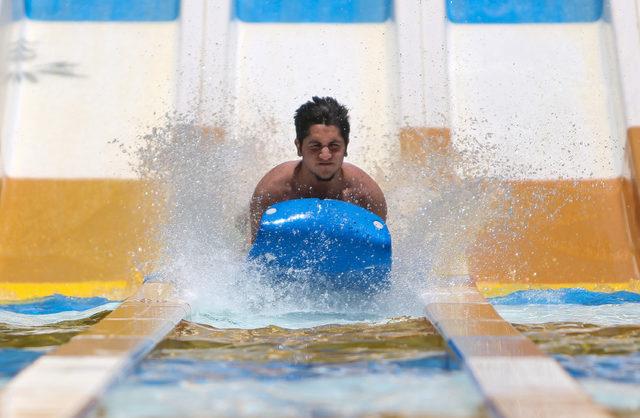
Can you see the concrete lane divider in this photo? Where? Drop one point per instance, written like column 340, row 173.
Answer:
column 70, row 379
column 515, row 377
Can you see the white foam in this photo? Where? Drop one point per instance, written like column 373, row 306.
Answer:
column 35, row 320
column 605, row 315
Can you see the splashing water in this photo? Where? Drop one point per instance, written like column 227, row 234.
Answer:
column 205, row 180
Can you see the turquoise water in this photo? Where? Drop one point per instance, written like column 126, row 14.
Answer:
column 183, row 387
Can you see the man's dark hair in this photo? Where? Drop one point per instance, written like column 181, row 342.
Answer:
column 323, row 111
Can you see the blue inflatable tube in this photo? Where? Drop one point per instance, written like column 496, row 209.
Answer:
column 339, row 244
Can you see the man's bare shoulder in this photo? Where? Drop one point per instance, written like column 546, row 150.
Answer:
column 278, row 180
column 358, row 178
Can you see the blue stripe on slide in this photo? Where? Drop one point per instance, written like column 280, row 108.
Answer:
column 313, row 11
column 566, row 296
column 523, row 11
column 103, row 10
column 54, row 304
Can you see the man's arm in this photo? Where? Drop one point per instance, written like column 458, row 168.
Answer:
column 366, row 192
column 268, row 192
column 260, row 201
column 375, row 202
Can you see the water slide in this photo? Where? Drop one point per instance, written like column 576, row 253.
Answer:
column 540, row 97
column 525, row 111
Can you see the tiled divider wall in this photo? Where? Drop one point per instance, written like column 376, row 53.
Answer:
column 66, row 382
column 515, row 377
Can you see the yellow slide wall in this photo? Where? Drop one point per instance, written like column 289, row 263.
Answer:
column 74, row 237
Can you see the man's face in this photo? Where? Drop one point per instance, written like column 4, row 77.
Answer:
column 322, row 151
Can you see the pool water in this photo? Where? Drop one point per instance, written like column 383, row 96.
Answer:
column 359, row 366
column 396, row 388
column 397, row 367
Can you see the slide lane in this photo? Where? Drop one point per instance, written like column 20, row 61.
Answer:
column 537, row 96
column 85, row 79
column 544, row 96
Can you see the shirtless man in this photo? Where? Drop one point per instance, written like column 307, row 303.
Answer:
column 322, row 137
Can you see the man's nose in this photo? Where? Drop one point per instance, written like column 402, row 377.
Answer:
column 325, row 154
